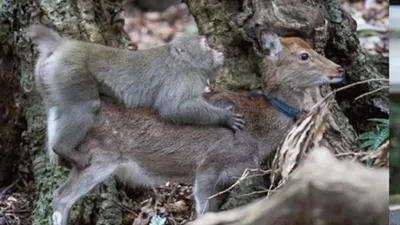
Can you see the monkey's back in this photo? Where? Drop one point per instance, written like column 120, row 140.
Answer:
column 114, row 71
column 148, row 78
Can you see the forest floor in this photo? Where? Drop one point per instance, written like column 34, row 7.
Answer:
column 173, row 201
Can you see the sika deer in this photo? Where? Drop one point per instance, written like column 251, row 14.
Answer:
column 142, row 149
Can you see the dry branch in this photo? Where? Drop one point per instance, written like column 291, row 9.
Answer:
column 323, row 190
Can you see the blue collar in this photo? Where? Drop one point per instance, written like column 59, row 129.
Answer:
column 278, row 104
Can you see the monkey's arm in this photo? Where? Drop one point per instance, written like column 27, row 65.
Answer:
column 198, row 111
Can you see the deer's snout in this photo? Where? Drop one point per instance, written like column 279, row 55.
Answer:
column 337, row 77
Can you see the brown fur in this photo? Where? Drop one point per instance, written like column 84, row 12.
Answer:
column 143, row 149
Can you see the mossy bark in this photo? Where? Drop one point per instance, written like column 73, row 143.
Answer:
column 85, row 20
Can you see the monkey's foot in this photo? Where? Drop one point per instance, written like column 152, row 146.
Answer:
column 75, row 158
column 82, row 161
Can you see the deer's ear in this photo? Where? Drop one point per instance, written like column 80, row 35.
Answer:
column 269, row 42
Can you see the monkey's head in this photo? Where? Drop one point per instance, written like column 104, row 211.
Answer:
column 196, row 50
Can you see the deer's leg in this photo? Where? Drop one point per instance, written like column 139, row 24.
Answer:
column 212, row 183
column 206, row 185
column 78, row 184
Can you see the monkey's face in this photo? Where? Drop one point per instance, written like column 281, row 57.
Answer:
column 196, row 50
column 215, row 57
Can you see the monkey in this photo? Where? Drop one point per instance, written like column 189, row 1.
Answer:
column 142, row 149
column 170, row 78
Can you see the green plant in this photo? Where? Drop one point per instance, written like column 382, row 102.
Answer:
column 371, row 140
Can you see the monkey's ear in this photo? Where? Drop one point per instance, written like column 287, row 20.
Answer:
column 269, row 42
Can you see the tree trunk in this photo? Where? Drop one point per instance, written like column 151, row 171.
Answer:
column 81, row 19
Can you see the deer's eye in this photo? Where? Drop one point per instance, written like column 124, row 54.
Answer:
column 304, row 56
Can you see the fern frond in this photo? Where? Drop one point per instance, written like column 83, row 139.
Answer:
column 367, row 135
column 367, row 143
column 380, row 120
column 372, row 140
column 382, row 136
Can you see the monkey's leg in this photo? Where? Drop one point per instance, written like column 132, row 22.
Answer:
column 72, row 125
column 198, row 111
column 78, row 184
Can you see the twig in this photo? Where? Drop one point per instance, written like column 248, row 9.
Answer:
column 383, row 149
column 270, row 190
column 122, row 206
column 170, row 197
column 243, row 177
column 255, row 193
column 350, row 153
column 172, row 220
column 371, row 28
column 18, row 211
column 344, row 88
column 8, row 187
column 371, row 92
column 263, row 172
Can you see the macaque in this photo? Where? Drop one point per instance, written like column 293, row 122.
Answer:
column 72, row 74
column 143, row 149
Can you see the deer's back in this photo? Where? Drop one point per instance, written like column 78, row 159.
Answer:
column 158, row 147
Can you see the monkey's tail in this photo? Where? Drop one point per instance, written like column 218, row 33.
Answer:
column 45, row 38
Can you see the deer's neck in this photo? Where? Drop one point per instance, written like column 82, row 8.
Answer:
column 277, row 124
column 292, row 98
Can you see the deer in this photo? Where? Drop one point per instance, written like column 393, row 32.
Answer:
column 142, row 149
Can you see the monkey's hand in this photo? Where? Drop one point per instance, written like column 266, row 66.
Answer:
column 235, row 121
column 77, row 159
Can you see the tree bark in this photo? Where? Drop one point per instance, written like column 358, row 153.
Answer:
column 84, row 20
